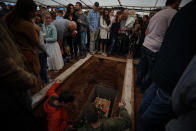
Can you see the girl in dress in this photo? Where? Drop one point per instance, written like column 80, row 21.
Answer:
column 55, row 59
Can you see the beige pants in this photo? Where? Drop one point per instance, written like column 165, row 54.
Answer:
column 93, row 38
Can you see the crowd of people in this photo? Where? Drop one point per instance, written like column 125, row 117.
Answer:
column 35, row 41
column 58, row 36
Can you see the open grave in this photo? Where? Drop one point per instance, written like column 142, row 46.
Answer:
column 99, row 80
column 96, row 78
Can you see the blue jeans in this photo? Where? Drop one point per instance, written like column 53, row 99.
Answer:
column 145, row 67
column 155, row 110
column 43, row 64
column 110, row 48
column 83, row 43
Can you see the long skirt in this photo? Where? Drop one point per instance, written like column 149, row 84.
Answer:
column 55, row 59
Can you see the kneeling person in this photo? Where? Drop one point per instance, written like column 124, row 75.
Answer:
column 55, row 107
column 111, row 124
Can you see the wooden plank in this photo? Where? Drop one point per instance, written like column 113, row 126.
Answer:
column 128, row 91
column 42, row 93
column 110, row 58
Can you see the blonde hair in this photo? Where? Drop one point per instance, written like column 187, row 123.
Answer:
column 132, row 12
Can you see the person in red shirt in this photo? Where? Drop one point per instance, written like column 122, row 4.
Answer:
column 55, row 107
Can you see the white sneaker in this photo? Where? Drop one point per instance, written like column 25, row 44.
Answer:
column 104, row 54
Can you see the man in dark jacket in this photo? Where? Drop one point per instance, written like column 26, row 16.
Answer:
column 177, row 50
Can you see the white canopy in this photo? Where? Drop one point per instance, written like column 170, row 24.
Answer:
column 107, row 3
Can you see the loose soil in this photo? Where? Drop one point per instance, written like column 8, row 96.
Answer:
column 96, row 71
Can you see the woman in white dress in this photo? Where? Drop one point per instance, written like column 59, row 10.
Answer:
column 55, row 59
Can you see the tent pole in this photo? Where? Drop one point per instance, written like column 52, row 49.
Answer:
column 156, row 3
column 119, row 2
column 85, row 4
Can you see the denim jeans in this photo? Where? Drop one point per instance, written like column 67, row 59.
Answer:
column 155, row 110
column 145, row 67
column 83, row 43
column 110, row 48
column 43, row 64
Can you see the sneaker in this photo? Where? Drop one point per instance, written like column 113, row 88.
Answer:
column 84, row 56
column 104, row 54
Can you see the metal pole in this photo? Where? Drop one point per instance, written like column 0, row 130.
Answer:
column 156, row 3
column 86, row 4
column 119, row 2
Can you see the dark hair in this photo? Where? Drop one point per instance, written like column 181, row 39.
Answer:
column 21, row 10
column 41, row 20
column 60, row 11
column 96, row 4
column 91, row 113
column 79, row 4
column 117, row 15
column 66, row 97
column 24, row 7
column 146, row 16
column 170, row 2
column 111, row 9
column 69, row 9
column 124, row 9
column 104, row 16
column 53, row 15
column 140, row 20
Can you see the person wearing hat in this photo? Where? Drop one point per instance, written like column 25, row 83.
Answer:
column 93, row 18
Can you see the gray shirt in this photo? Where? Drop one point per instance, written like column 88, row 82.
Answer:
column 61, row 27
column 84, row 25
column 157, row 27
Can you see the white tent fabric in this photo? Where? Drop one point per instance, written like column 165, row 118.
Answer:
column 105, row 3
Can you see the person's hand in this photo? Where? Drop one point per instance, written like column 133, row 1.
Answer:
column 122, row 103
column 74, row 33
column 62, row 52
column 58, row 81
column 107, row 28
column 79, row 21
